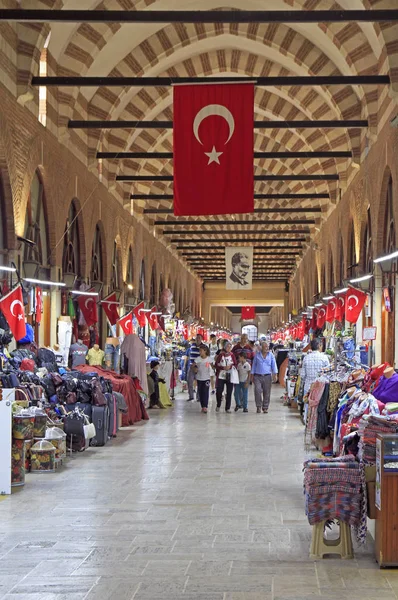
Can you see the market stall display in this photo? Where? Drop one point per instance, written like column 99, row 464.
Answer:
column 42, row 457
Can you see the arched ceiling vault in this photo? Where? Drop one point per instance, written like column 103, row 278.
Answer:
column 194, row 50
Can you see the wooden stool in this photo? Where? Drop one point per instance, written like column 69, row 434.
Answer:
column 321, row 546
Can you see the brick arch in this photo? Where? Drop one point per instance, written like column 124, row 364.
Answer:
column 378, row 247
column 104, row 250
column 7, row 209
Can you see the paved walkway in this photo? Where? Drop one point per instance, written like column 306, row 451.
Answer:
column 185, row 507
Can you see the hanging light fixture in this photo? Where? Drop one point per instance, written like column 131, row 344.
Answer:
column 363, row 282
column 386, row 262
column 69, row 279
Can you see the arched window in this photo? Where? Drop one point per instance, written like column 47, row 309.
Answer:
column 152, row 294
column 389, row 227
column 251, row 332
column 367, row 254
column 71, row 255
column 116, row 268
column 142, row 281
column 331, row 273
column 351, row 259
column 130, row 268
column 43, row 88
column 97, row 270
column 36, row 228
column 3, row 239
column 161, row 284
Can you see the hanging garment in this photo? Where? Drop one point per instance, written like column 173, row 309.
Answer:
column 314, row 398
column 322, row 429
column 387, row 390
column 334, row 394
column 134, row 351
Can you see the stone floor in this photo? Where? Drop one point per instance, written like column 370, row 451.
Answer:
column 185, row 507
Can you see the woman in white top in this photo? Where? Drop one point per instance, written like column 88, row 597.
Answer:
column 203, row 370
column 224, row 363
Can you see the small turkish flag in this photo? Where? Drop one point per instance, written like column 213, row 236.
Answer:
column 39, row 304
column 314, row 319
column 248, row 312
column 321, row 318
column 153, row 319
column 331, row 310
column 110, row 306
column 354, row 303
column 88, row 307
column 126, row 323
column 213, row 145
column 13, row 310
column 340, row 308
column 139, row 315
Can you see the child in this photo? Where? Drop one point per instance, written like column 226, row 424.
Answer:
column 153, row 385
column 241, row 389
column 204, row 372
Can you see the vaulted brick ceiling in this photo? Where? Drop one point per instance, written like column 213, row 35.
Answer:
column 178, row 50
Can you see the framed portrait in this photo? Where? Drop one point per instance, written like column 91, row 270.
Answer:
column 239, row 267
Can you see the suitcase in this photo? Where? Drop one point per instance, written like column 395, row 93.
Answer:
column 113, row 410
column 100, row 418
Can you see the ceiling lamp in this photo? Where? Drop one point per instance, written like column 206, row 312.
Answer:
column 69, row 279
column 363, row 282
column 386, row 262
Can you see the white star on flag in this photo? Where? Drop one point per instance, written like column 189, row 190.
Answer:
column 20, row 317
column 213, row 156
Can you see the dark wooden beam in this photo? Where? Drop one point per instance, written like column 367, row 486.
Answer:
column 199, row 245
column 237, row 232
column 170, row 211
column 168, row 155
column 18, row 15
column 306, row 124
column 237, row 222
column 317, row 177
column 279, row 80
column 256, row 196
column 257, row 253
column 247, row 239
column 282, row 278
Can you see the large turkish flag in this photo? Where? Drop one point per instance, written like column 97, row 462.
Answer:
column 340, row 307
column 354, row 303
column 213, row 149
column 331, row 310
column 13, row 310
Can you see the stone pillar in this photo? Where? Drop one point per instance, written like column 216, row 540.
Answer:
column 377, row 313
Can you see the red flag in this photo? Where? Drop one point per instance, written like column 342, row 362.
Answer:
column 126, row 323
column 88, row 306
column 139, row 315
column 248, row 313
column 39, row 304
column 213, row 149
column 13, row 310
column 110, row 306
column 153, row 319
column 354, row 303
column 314, row 318
column 321, row 319
column 331, row 310
column 340, row 308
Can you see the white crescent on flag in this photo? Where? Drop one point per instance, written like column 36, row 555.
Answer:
column 351, row 307
column 87, row 301
column 322, row 314
column 13, row 304
column 333, row 304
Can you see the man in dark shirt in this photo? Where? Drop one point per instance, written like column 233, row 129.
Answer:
column 241, row 346
column 193, row 354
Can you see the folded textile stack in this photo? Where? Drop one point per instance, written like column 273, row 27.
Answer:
column 369, row 427
column 335, row 488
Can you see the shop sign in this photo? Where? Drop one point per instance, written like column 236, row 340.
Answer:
column 369, row 334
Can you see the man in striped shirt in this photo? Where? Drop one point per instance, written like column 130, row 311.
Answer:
column 193, row 354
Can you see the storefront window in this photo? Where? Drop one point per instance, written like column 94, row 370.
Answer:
column 251, row 332
column 71, row 255
column 97, row 272
column 36, row 225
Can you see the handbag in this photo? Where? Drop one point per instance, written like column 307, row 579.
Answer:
column 74, row 424
column 234, row 375
column 89, row 429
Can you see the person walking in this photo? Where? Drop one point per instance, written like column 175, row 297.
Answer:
column 242, row 388
column 213, row 347
column 264, row 370
column 243, row 346
column 193, row 354
column 224, row 363
column 313, row 363
column 204, row 373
